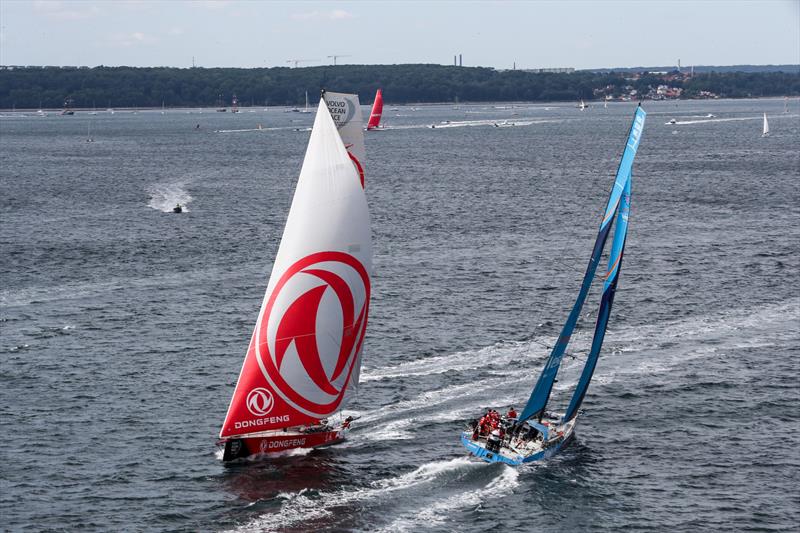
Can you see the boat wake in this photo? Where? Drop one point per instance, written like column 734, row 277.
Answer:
column 417, row 495
column 244, row 130
column 437, row 511
column 644, row 350
column 500, row 355
column 164, row 196
column 734, row 119
column 497, row 122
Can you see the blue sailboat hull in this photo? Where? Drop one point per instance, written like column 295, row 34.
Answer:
column 483, row 454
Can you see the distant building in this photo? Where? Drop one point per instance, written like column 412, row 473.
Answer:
column 558, row 70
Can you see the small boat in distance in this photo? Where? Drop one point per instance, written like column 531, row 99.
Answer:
column 306, row 109
column 672, row 121
column 68, row 107
column 583, row 106
column 234, row 104
column 221, row 106
column 375, row 115
column 765, row 132
column 537, row 434
column 304, row 357
column 177, row 209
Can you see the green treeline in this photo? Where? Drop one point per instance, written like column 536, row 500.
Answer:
column 48, row 87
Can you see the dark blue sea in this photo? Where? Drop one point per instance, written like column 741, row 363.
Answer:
column 123, row 326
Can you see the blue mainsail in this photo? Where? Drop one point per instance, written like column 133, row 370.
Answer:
column 541, row 392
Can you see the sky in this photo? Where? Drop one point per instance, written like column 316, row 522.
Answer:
column 499, row 34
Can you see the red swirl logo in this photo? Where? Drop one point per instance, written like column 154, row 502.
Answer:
column 312, row 328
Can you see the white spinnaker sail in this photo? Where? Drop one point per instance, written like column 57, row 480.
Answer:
column 304, row 356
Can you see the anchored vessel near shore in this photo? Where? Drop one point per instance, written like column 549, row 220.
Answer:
column 537, row 434
column 304, row 358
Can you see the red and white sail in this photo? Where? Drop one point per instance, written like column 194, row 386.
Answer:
column 304, row 356
column 346, row 112
column 377, row 111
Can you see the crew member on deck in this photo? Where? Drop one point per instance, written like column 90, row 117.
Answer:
column 511, row 413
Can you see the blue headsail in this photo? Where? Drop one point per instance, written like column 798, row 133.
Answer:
column 541, row 392
column 607, row 300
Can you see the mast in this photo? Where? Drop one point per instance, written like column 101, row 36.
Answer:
column 544, row 385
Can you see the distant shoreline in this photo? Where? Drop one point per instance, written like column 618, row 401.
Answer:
column 562, row 103
column 126, row 87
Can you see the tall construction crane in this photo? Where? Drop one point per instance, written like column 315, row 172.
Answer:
column 337, row 56
column 298, row 61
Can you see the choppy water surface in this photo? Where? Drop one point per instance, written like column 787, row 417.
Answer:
column 124, row 326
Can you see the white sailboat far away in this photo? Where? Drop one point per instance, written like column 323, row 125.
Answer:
column 537, row 434
column 304, row 357
column 306, row 109
column 765, row 132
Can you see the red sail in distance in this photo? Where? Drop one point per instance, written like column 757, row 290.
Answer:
column 377, row 109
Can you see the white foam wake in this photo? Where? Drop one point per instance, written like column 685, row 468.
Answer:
column 628, row 352
column 735, row 119
column 499, row 354
column 299, row 507
column 438, row 511
column 164, row 196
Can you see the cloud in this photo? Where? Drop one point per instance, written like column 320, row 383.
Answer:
column 135, row 38
column 210, row 4
column 336, row 14
column 64, row 11
column 339, row 14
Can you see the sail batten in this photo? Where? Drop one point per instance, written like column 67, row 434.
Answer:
column 541, row 392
